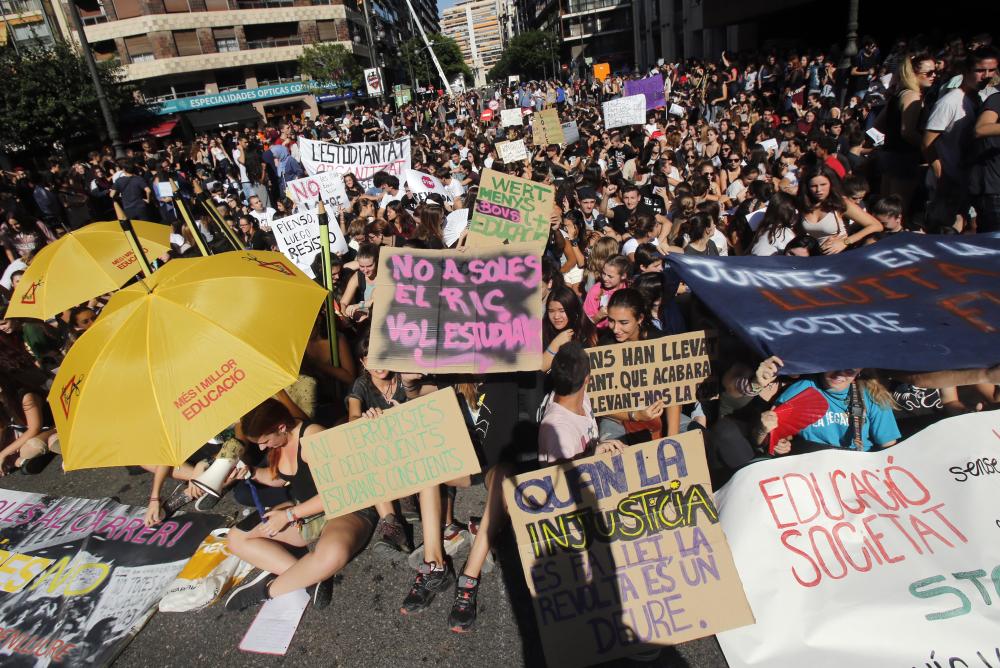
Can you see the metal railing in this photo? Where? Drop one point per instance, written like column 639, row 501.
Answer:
column 262, row 4
column 578, row 6
column 273, row 42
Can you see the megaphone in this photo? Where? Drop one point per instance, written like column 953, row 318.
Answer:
column 215, row 475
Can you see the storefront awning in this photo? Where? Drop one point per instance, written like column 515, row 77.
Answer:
column 222, row 116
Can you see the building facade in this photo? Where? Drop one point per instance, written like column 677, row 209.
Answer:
column 476, row 26
column 28, row 23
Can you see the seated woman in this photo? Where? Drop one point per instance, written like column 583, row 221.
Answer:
column 859, row 414
column 28, row 420
column 298, row 524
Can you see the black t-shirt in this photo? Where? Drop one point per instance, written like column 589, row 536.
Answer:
column 370, row 128
column 619, row 156
column 133, row 190
column 620, row 215
column 357, row 134
column 654, row 202
column 863, row 62
column 985, row 174
column 493, row 427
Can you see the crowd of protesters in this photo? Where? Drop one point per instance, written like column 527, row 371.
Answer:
column 769, row 154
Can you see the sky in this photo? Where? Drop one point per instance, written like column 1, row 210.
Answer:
column 444, row 4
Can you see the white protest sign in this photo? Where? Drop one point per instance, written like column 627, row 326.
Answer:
column 770, row 145
column 422, row 185
column 877, row 137
column 677, row 110
column 456, row 223
column 362, row 160
column 298, row 239
column 512, row 151
column 325, row 186
column 622, row 111
column 571, row 133
column 887, row 558
column 509, row 117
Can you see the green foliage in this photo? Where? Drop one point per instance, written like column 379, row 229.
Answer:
column 448, row 52
column 529, row 55
column 330, row 66
column 48, row 98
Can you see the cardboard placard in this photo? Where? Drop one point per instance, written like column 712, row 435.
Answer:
column 571, row 133
column 546, row 129
column 624, row 111
column 630, row 376
column 511, row 209
column 409, row 448
column 512, row 151
column 622, row 552
column 298, row 238
column 601, row 71
column 510, row 117
column 458, row 311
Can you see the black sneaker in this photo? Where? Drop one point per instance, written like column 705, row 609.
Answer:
column 463, row 610
column 322, row 593
column 392, row 542
column 431, row 580
column 251, row 591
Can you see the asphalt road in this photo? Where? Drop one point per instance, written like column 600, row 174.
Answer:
column 362, row 626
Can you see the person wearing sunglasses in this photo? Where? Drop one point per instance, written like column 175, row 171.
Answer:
column 901, row 159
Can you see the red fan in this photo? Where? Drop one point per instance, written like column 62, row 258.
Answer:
column 798, row 413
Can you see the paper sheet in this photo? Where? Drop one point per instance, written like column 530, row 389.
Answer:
column 274, row 626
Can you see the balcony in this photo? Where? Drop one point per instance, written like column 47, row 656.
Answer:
column 575, row 7
column 262, row 4
column 273, row 42
column 19, row 7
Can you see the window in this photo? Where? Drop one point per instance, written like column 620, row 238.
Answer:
column 225, row 39
column 139, row 48
column 217, row 5
column 187, row 43
column 327, row 31
column 126, row 9
column 174, row 6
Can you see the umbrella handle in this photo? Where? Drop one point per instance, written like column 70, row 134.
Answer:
column 209, row 206
column 192, row 228
column 133, row 240
column 331, row 318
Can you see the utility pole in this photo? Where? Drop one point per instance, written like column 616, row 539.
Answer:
column 95, row 77
column 423, row 35
column 851, row 45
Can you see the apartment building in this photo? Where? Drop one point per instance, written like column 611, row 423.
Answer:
column 224, row 61
column 27, row 23
column 477, row 28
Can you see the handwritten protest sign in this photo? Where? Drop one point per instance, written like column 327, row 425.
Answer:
column 512, row 151
column 362, row 160
column 422, row 185
column 894, row 550
column 510, row 117
column 409, row 448
column 623, row 111
column 571, row 133
column 650, row 87
column 546, row 129
column 677, row 110
column 79, row 577
column 625, row 551
column 298, row 239
column 327, row 187
column 456, row 311
column 631, row 376
column 509, row 208
column 911, row 301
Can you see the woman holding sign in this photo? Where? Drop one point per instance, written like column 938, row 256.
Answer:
column 629, row 322
column 298, row 524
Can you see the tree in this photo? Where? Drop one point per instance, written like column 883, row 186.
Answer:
column 48, row 98
column 448, row 53
column 330, row 66
column 529, row 55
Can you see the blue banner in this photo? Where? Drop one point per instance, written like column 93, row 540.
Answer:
column 911, row 302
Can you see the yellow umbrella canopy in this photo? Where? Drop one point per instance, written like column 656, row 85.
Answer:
column 85, row 263
column 165, row 369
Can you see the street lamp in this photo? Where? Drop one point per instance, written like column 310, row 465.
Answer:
column 851, row 45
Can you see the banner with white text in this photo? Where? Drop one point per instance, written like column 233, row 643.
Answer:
column 362, row 160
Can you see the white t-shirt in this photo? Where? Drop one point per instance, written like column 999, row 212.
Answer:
column 763, row 247
column 721, row 242
column 755, row 217
column 954, row 116
column 629, row 247
column 387, row 198
column 243, row 169
column 563, row 434
column 735, row 189
column 264, row 217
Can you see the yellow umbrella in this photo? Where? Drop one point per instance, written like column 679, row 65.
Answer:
column 81, row 265
column 164, row 370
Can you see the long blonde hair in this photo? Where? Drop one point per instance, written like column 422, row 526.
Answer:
column 600, row 252
column 877, row 391
column 908, row 71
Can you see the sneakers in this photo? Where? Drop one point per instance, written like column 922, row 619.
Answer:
column 252, row 591
column 430, row 581
column 454, row 538
column 409, row 508
column 322, row 593
column 392, row 542
column 463, row 610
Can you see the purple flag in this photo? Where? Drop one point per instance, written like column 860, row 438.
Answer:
column 651, row 87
